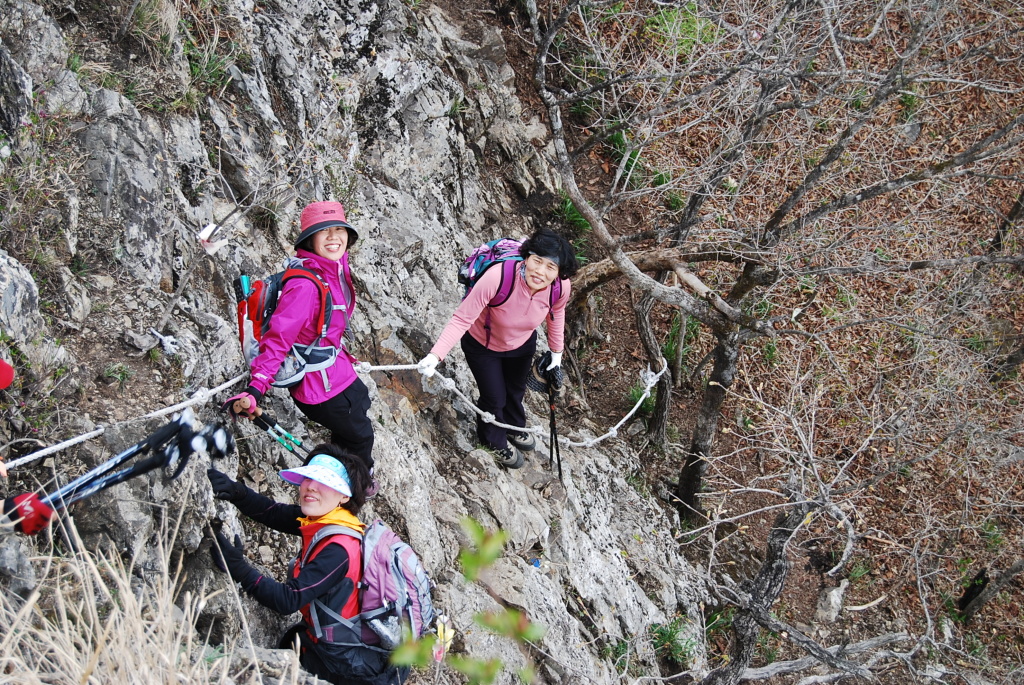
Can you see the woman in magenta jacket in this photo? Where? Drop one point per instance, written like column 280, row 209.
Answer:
column 499, row 348
column 333, row 397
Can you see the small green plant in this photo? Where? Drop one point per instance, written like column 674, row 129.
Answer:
column 807, row 284
column 768, row 646
column 770, row 352
column 154, row 25
column 675, row 201
column 647, row 406
column 118, row 372
column 621, row 148
column 579, row 246
column 74, row 62
column 858, row 570
column 859, row 99
column 976, row 647
column 976, row 343
column 671, row 643
column 457, row 107
column 993, row 535
column 567, row 212
column 618, row 653
column 910, row 103
column 636, row 481
column 717, row 621
column 155, row 355
column 79, row 266
column 584, row 108
column 680, row 29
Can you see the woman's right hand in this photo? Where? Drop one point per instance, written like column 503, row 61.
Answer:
column 428, row 365
column 224, row 487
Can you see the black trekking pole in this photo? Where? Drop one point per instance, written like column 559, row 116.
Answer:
column 172, row 445
column 554, row 448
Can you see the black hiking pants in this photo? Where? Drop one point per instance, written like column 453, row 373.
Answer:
column 345, row 415
column 338, row 671
column 501, row 380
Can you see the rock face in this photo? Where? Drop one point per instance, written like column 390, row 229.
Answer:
column 418, row 130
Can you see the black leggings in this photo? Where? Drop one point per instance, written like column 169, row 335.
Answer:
column 501, row 380
column 345, row 415
column 316, row 663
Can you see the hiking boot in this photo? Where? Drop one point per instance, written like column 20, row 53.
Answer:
column 510, row 457
column 523, row 441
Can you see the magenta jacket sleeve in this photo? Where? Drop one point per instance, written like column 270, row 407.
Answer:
column 294, row 320
column 468, row 312
column 556, row 324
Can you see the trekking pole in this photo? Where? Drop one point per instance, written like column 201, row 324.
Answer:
column 274, row 429
column 172, row 444
column 554, row 448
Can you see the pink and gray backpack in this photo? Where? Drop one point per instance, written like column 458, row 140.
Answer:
column 504, row 251
column 394, row 593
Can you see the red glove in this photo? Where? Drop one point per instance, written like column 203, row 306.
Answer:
column 33, row 512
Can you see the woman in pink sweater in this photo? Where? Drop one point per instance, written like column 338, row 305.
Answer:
column 499, row 341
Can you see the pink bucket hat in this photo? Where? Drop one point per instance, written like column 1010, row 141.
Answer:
column 320, row 215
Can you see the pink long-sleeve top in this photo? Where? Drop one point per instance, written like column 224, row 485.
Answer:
column 512, row 323
column 294, row 321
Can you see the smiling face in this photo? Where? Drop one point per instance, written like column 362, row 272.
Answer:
column 331, row 243
column 316, row 499
column 540, row 272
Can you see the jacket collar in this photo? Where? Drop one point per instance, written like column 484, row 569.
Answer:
column 322, row 263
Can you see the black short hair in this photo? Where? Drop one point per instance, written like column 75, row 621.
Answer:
column 547, row 243
column 358, row 473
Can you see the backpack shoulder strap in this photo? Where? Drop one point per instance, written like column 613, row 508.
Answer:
column 323, row 534
column 323, row 319
column 507, row 283
column 556, row 295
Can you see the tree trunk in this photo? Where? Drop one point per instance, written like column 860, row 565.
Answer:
column 726, row 356
column 1016, row 211
column 658, row 424
column 991, row 589
column 765, row 588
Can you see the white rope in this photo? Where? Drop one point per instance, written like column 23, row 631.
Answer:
column 366, row 367
column 649, row 378
column 201, row 396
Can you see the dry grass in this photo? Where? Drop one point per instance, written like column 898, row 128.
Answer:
column 92, row 620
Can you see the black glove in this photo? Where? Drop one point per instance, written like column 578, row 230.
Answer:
column 224, row 487
column 230, row 558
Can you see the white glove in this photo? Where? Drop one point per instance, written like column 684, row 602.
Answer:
column 556, row 361
column 428, row 365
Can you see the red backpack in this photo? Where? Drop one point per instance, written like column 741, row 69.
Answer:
column 256, row 304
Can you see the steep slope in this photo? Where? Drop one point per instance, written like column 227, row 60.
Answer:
column 239, row 114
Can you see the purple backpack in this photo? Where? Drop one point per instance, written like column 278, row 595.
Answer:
column 506, row 252
column 394, row 593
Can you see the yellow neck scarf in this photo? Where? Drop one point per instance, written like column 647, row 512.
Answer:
column 338, row 515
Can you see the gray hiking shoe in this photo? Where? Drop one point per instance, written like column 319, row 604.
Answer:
column 510, row 457
column 524, row 441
